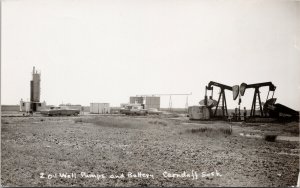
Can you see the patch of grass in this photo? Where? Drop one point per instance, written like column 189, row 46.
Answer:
column 208, row 131
column 116, row 122
column 78, row 120
column 156, row 122
column 292, row 128
column 4, row 122
column 270, row 138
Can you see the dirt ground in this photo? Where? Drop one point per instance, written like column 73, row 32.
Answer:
column 160, row 151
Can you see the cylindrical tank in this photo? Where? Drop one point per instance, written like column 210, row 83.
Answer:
column 35, row 86
column 199, row 113
column 36, row 78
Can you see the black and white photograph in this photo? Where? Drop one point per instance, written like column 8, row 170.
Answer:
column 150, row 93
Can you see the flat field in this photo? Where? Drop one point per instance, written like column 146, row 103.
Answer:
column 146, row 151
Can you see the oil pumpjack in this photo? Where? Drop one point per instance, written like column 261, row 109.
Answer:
column 222, row 98
column 269, row 109
column 256, row 97
column 209, row 107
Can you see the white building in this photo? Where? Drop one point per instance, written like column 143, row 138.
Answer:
column 26, row 106
column 99, row 108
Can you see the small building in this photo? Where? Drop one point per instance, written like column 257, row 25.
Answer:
column 152, row 102
column 26, row 106
column 10, row 108
column 148, row 101
column 99, row 108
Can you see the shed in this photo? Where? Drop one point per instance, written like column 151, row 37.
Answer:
column 99, row 108
column 152, row 102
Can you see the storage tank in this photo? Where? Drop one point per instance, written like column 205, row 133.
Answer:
column 99, row 108
column 35, row 89
column 35, row 86
column 199, row 113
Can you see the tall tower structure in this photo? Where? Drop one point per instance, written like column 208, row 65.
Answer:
column 35, row 90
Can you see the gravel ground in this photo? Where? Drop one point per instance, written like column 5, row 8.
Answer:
column 157, row 150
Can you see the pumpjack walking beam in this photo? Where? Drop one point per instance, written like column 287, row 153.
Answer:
column 256, row 96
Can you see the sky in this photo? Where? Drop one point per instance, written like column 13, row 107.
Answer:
column 109, row 50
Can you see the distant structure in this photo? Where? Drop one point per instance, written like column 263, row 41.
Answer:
column 35, row 90
column 25, row 106
column 99, row 108
column 35, row 93
column 72, row 106
column 148, row 101
column 153, row 100
column 35, row 86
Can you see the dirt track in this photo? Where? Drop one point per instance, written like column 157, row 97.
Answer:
column 153, row 146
